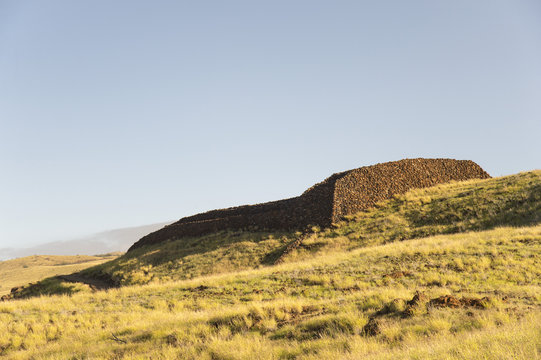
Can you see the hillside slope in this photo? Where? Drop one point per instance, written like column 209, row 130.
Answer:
column 326, row 202
column 452, row 272
column 450, row 208
column 29, row 269
column 475, row 295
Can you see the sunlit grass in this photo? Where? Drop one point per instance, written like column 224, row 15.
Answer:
column 313, row 309
column 444, row 209
column 28, row 269
column 343, row 293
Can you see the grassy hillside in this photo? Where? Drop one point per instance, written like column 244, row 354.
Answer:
column 444, row 209
column 448, row 272
column 341, row 305
column 29, row 269
column 450, row 208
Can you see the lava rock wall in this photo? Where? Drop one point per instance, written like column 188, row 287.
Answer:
column 327, row 202
column 362, row 188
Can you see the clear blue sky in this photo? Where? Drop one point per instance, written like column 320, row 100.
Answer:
column 120, row 113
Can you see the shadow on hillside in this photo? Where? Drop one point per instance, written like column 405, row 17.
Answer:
column 51, row 286
column 161, row 253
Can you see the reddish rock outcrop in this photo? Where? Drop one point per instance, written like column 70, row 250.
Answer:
column 327, row 202
column 453, row 302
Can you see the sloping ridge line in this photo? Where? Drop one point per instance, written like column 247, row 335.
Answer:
column 326, row 202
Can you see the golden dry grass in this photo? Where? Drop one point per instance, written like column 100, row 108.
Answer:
column 220, row 298
column 312, row 309
column 21, row 271
column 444, row 209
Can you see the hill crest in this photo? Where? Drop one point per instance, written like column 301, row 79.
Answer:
column 327, row 202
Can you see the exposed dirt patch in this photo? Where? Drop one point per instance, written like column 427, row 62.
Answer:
column 416, row 304
column 371, row 328
column 453, row 302
column 420, row 301
column 446, row 301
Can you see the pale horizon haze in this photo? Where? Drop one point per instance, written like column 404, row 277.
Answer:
column 129, row 113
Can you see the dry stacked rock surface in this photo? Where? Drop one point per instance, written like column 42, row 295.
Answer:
column 327, row 202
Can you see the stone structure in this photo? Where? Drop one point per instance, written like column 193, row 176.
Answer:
column 327, row 202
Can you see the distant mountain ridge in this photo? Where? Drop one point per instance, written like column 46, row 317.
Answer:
column 100, row 243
